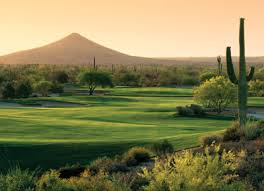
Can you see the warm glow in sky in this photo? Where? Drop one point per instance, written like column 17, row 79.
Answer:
column 153, row 28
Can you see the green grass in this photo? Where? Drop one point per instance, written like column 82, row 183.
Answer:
column 53, row 137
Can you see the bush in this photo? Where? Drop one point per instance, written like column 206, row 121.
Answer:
column 253, row 131
column 256, row 87
column 192, row 110
column 206, row 76
column 232, row 134
column 57, row 88
column 188, row 171
column 216, row 93
column 213, row 139
column 24, row 90
column 136, row 155
column 18, row 180
column 43, row 87
column 8, row 91
column 184, row 111
column 162, row 148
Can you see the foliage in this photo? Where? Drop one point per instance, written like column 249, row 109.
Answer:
column 61, row 77
column 8, row 91
column 94, row 79
column 206, row 76
column 192, row 110
column 217, row 93
column 162, row 148
column 233, row 133
column 24, row 89
column 126, row 78
column 136, row 155
column 256, row 87
column 211, row 139
column 195, row 172
column 43, row 87
column 18, row 180
column 50, row 181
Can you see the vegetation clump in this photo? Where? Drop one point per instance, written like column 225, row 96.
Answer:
column 191, row 110
column 217, row 93
column 162, row 148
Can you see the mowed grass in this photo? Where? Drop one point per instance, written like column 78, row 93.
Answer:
column 109, row 125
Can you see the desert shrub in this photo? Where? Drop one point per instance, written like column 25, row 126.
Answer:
column 216, row 93
column 197, row 110
column 252, row 131
column 195, row 172
column 184, row 111
column 251, row 168
column 136, row 155
column 50, row 181
column 71, row 171
column 24, row 89
column 8, row 91
column 60, row 77
column 57, row 88
column 192, row 110
column 162, row 148
column 206, row 76
column 43, row 87
column 17, row 180
column 256, row 87
column 213, row 139
column 233, row 133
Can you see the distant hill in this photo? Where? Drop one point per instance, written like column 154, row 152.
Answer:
column 76, row 49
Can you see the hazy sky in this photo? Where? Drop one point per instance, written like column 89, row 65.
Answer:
column 153, row 28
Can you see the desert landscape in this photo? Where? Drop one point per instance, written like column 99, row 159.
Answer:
column 81, row 115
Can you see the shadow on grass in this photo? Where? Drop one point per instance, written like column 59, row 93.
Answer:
column 46, row 156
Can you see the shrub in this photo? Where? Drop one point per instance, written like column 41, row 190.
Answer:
column 206, row 76
column 233, row 133
column 24, row 90
column 192, row 110
column 256, row 87
column 188, row 171
column 162, row 148
column 253, row 130
column 136, row 155
column 216, row 93
column 57, row 88
column 8, row 91
column 184, row 111
column 18, row 180
column 43, row 87
column 213, row 139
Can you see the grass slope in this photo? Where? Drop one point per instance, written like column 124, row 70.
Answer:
column 53, row 137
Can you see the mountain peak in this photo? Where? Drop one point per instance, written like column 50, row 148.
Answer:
column 75, row 36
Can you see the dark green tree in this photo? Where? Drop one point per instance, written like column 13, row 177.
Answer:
column 23, row 90
column 93, row 79
column 8, row 91
column 242, row 80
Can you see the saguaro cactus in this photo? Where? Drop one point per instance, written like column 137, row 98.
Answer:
column 220, row 65
column 243, row 79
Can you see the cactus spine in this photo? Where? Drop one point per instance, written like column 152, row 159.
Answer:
column 220, row 65
column 243, row 77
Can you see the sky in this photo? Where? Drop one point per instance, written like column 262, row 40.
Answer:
column 149, row 28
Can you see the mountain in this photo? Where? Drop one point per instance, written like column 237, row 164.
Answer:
column 74, row 49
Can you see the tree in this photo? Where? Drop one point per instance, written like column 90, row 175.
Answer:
column 8, row 91
column 242, row 80
column 216, row 93
column 43, row 87
column 61, row 77
column 206, row 76
column 94, row 79
column 257, row 87
column 24, row 90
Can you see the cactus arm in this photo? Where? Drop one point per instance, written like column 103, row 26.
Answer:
column 230, row 67
column 251, row 73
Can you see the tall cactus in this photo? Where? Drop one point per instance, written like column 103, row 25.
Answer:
column 243, row 77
